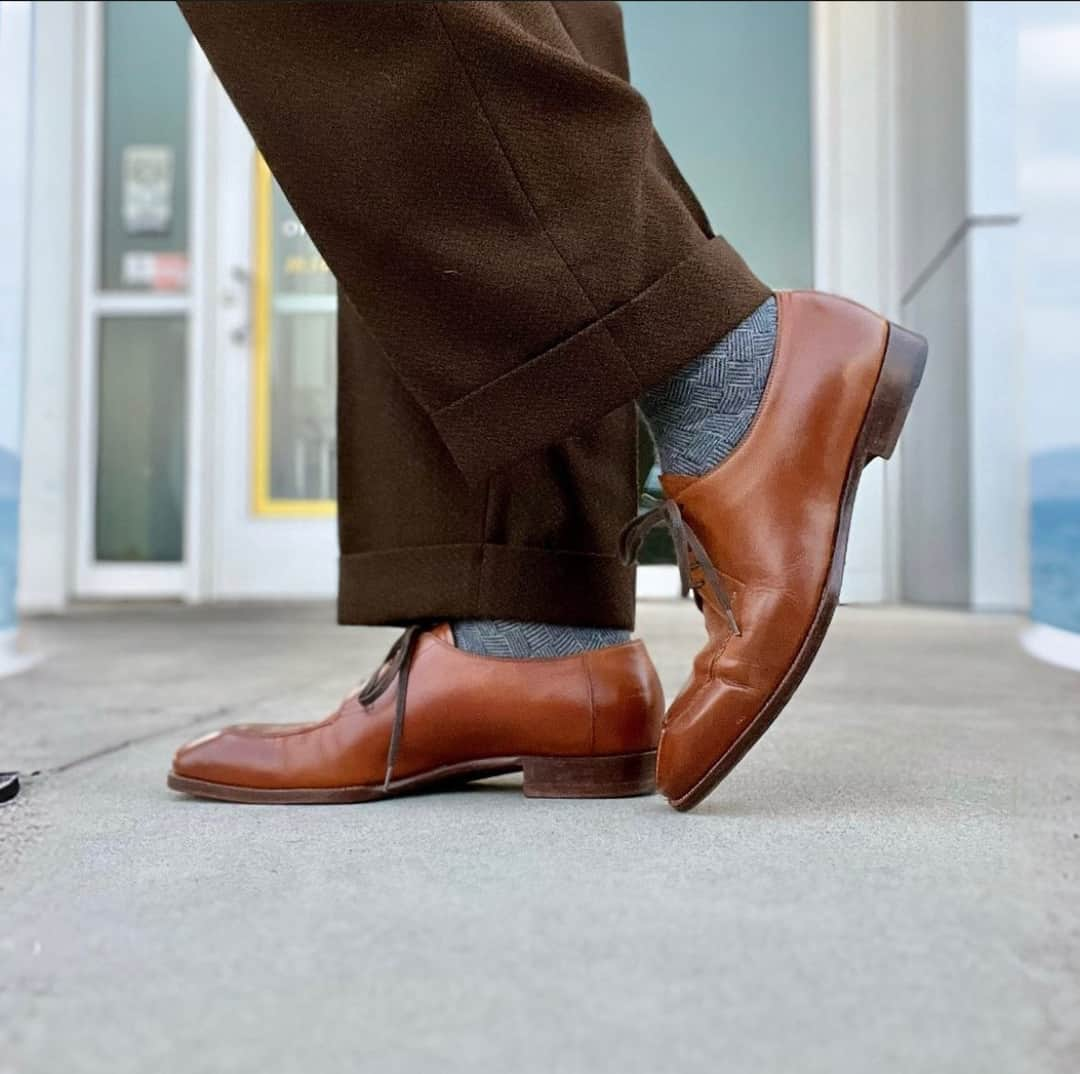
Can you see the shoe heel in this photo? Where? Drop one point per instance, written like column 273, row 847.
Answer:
column 619, row 776
column 901, row 370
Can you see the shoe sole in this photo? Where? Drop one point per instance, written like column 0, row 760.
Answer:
column 623, row 775
column 901, row 371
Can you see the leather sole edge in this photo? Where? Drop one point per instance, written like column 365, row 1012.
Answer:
column 608, row 776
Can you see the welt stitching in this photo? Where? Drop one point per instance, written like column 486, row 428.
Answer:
column 525, row 193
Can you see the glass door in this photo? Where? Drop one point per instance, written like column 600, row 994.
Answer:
column 137, row 306
column 275, row 446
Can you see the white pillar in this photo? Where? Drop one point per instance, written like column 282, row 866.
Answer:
column 45, row 508
column 853, row 76
column 964, row 504
column 15, row 62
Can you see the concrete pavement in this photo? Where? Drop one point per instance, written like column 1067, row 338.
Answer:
column 888, row 883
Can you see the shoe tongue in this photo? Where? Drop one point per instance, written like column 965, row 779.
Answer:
column 443, row 632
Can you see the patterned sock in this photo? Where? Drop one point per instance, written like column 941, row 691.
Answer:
column 523, row 641
column 699, row 415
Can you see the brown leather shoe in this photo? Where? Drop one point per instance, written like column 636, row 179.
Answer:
column 762, row 536
column 582, row 726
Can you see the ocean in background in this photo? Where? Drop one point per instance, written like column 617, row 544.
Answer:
column 9, row 543
column 1055, row 563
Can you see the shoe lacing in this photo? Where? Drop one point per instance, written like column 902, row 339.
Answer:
column 689, row 552
column 395, row 666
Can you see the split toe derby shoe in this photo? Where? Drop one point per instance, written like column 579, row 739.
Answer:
column 584, row 725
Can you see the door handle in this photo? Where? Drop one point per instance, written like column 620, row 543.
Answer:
column 240, row 277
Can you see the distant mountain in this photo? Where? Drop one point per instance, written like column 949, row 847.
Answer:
column 9, row 475
column 1055, row 475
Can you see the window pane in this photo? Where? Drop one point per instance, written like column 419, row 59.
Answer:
column 144, row 230
column 303, row 460
column 757, row 196
column 140, row 468
column 299, row 268
column 295, row 354
column 751, row 172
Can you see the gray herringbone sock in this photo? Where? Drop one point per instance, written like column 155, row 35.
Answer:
column 698, row 415
column 522, row 641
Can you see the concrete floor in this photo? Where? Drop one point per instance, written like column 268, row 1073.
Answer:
column 887, row 883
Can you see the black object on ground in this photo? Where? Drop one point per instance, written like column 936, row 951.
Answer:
column 9, row 785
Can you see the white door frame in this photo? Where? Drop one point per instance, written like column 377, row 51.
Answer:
column 148, row 580
column 261, row 549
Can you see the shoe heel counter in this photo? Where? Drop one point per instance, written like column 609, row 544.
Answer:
column 627, row 699
column 853, row 334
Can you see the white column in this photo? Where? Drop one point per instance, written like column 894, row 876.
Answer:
column 48, row 488
column 15, row 51
column 931, row 48
column 964, row 503
column 852, row 112
column 999, row 497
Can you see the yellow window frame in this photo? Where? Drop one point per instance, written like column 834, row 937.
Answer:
column 263, row 503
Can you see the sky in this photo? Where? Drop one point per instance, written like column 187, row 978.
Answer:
column 1048, row 142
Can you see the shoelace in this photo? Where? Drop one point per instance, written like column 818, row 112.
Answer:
column 397, row 663
column 689, row 552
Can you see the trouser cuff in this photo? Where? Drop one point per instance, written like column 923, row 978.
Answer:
column 485, row 581
column 603, row 366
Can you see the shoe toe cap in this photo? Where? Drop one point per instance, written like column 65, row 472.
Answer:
column 234, row 755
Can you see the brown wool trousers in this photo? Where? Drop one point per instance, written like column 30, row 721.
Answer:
column 518, row 258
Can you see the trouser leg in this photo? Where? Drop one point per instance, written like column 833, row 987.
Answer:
column 419, row 542
column 490, row 201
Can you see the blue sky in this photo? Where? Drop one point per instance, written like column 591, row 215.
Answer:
column 1049, row 182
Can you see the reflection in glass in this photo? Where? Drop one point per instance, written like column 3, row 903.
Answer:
column 299, row 268
column 139, row 514
column 303, row 378
column 760, row 197
column 301, row 353
column 144, row 218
